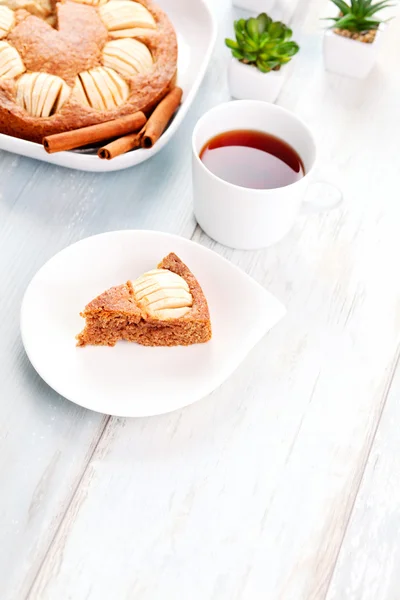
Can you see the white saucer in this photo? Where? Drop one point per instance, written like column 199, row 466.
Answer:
column 131, row 380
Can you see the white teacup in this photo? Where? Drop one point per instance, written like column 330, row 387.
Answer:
column 247, row 218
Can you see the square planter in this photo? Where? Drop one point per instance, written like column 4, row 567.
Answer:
column 258, row 6
column 350, row 57
column 246, row 82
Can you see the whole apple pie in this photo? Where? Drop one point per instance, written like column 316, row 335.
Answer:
column 76, row 63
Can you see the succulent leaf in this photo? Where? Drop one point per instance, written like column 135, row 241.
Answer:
column 250, row 57
column 239, row 33
column 264, row 39
column 252, row 29
column 264, row 21
column 287, row 49
column 288, row 34
column 237, row 54
column 342, row 6
column 262, row 66
column 276, row 30
column 232, row 44
column 376, row 7
column 249, row 46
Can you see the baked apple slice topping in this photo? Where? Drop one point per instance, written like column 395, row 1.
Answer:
column 101, row 88
column 7, row 20
column 41, row 94
column 41, row 9
column 123, row 17
column 162, row 294
column 11, row 64
column 128, row 57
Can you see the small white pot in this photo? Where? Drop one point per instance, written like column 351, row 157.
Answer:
column 246, row 82
column 350, row 57
column 258, row 6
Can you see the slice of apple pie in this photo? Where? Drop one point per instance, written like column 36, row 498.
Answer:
column 163, row 307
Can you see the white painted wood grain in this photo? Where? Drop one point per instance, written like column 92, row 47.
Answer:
column 247, row 494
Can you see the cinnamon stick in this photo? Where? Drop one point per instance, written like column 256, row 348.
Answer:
column 94, row 133
column 121, row 145
column 160, row 118
column 150, row 132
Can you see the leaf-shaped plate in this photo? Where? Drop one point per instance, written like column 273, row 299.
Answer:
column 131, row 380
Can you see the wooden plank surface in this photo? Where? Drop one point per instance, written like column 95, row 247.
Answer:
column 248, row 493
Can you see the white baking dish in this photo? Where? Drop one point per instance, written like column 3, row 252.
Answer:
column 196, row 31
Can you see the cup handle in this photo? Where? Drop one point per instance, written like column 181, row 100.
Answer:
column 321, row 195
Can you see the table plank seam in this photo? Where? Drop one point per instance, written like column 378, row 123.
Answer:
column 69, row 502
column 386, row 391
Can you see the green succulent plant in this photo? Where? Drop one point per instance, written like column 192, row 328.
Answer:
column 262, row 42
column 358, row 15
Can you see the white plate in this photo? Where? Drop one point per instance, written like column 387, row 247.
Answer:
column 196, row 32
column 131, row 380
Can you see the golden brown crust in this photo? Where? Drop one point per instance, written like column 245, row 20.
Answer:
column 75, row 47
column 117, row 299
column 115, row 315
column 107, row 314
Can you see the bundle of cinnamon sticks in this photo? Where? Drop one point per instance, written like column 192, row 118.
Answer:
column 129, row 132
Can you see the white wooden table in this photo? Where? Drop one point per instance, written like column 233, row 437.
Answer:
column 284, row 483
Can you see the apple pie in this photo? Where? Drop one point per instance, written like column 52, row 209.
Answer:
column 163, row 307
column 77, row 63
